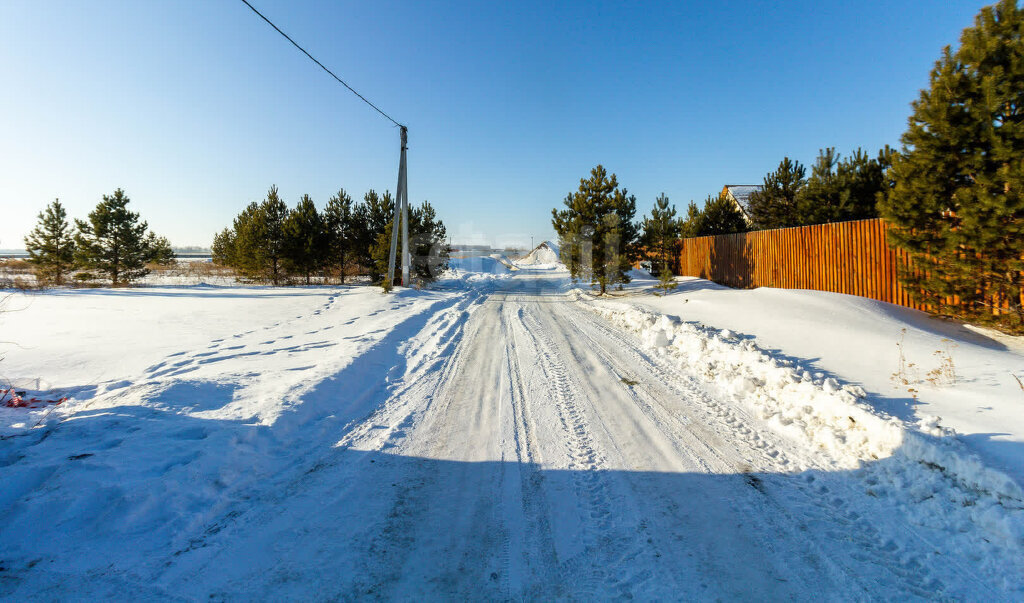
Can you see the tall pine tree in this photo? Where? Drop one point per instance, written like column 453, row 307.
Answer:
column 596, row 231
column 240, row 247
column 341, row 231
column 223, row 247
column 843, row 189
column 378, row 213
column 51, row 245
column 775, row 205
column 305, row 247
column 113, row 241
column 427, row 247
column 661, row 236
column 719, row 216
column 957, row 205
column 268, row 230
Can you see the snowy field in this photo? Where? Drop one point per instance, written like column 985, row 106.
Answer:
column 505, row 435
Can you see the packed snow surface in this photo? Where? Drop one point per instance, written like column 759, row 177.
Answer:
column 501, row 435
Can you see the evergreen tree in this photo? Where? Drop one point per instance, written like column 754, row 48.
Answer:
column 775, row 205
column 341, row 229
column 223, row 247
column 379, row 211
column 596, row 231
column 688, row 226
column 957, row 205
column 864, row 183
column 427, row 247
column 158, row 250
column 305, row 239
column 113, row 241
column 819, row 199
column 719, row 216
column 51, row 245
column 268, row 230
column 427, row 243
column 843, row 189
column 661, row 236
column 245, row 244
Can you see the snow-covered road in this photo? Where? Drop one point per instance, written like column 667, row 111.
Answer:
column 522, row 446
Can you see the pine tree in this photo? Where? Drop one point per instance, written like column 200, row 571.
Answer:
column 957, row 205
column 842, row 189
column 339, row 222
column 661, row 236
column 113, row 241
column 688, row 226
column 596, row 230
column 268, row 227
column 158, row 250
column 719, row 216
column 427, row 243
column 378, row 214
column 242, row 246
column 427, row 247
column 863, row 181
column 305, row 239
column 223, row 247
column 819, row 200
column 51, row 245
column 775, row 205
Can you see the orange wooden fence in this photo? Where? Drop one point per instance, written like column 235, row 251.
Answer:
column 843, row 257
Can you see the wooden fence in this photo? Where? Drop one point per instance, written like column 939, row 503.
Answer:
column 843, row 257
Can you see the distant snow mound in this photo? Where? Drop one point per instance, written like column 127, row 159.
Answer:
column 545, row 253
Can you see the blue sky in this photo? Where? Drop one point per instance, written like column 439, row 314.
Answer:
column 196, row 107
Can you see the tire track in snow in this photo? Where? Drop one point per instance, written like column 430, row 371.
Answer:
column 893, row 546
column 522, row 502
column 607, row 546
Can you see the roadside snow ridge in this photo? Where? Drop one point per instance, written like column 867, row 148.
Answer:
column 938, row 481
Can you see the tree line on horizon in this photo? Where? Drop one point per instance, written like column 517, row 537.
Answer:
column 268, row 242
column 111, row 243
column 953, row 195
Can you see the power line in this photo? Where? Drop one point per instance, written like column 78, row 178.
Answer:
column 269, row 22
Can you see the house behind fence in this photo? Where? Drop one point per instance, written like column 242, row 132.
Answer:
column 842, row 257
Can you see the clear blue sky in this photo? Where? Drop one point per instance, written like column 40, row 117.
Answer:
column 196, row 107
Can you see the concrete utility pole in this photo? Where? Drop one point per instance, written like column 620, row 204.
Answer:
column 401, row 216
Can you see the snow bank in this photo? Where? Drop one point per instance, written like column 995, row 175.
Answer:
column 925, row 470
column 546, row 253
column 895, row 353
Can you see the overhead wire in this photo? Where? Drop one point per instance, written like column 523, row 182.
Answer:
column 341, row 81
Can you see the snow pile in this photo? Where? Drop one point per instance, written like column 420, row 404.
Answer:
column 903, row 357
column 546, row 253
column 925, row 470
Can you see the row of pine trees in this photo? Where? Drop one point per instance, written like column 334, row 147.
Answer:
column 111, row 243
column 270, row 242
column 837, row 190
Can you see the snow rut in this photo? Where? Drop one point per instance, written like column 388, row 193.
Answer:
column 611, row 547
